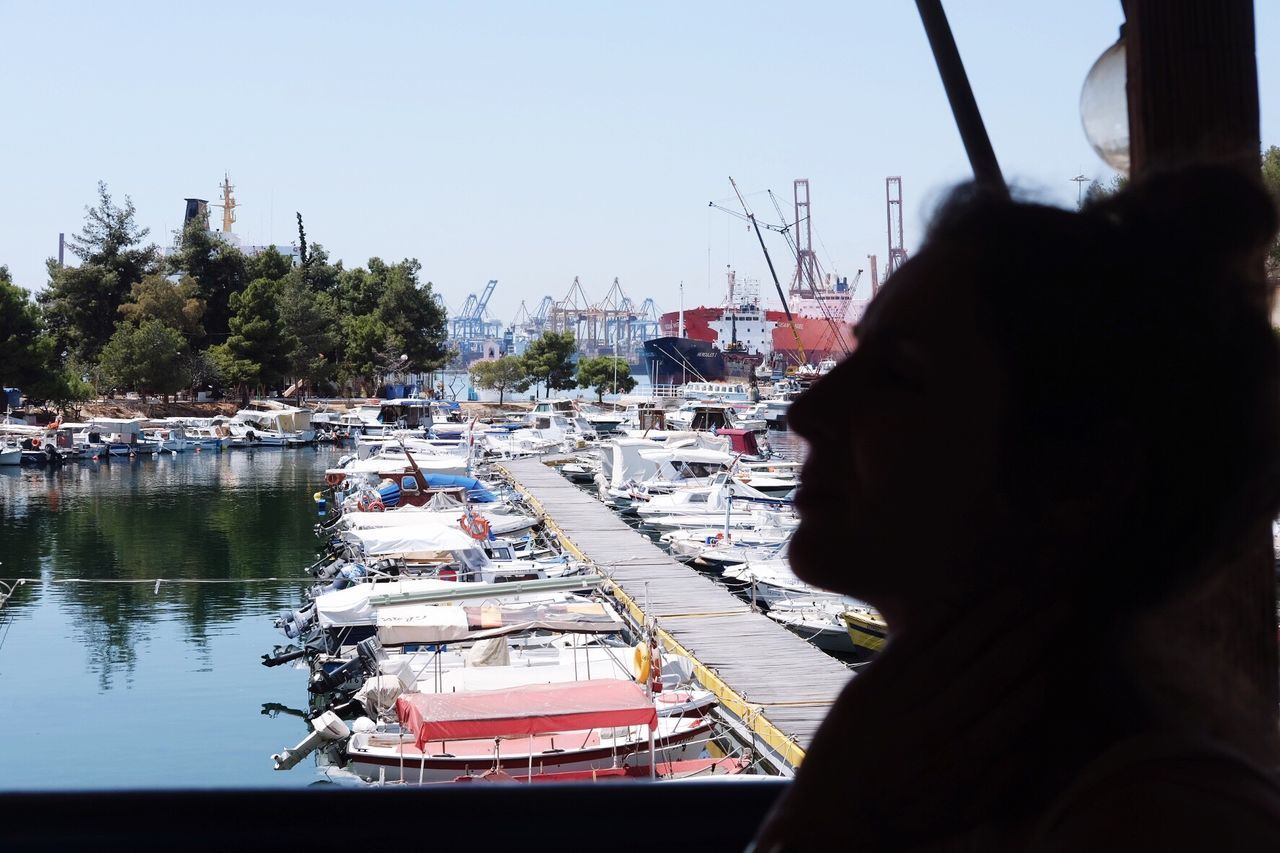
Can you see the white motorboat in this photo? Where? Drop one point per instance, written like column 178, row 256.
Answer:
column 271, row 424
column 168, row 439
column 123, row 436
column 713, row 546
column 773, row 582
column 722, row 495
column 700, row 415
column 445, row 550
column 825, row 623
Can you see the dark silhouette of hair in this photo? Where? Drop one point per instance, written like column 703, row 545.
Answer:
column 1142, row 368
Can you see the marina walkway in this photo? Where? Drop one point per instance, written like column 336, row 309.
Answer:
column 775, row 683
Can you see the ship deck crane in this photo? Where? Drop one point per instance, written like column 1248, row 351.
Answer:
column 751, row 217
column 809, row 270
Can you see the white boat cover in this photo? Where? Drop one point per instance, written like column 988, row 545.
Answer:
column 379, row 694
column 351, row 606
column 442, row 464
column 687, row 454
column 410, row 516
column 432, row 623
column 430, row 536
column 436, row 623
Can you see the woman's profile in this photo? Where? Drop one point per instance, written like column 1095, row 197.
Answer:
column 1055, row 424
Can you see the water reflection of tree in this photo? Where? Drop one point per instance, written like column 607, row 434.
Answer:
column 197, row 518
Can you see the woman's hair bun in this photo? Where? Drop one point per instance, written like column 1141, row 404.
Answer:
column 1204, row 213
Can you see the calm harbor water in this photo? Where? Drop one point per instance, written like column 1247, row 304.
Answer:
column 123, row 685
column 107, row 681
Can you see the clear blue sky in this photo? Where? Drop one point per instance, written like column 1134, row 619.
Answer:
column 532, row 142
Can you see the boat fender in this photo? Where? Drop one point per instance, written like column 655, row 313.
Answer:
column 642, row 662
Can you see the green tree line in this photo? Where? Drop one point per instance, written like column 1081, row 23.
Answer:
column 549, row 362
column 207, row 315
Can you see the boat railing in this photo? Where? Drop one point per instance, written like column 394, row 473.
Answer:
column 666, row 392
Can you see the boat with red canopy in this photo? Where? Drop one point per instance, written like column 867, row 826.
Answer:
column 530, row 729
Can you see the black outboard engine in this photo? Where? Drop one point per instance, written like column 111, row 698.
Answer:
column 327, row 682
column 368, row 658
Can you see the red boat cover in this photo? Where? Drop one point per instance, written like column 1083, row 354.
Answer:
column 526, row 710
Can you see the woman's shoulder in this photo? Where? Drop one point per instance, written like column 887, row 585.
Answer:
column 1166, row 791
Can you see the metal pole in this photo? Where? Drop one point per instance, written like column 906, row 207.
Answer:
column 973, row 133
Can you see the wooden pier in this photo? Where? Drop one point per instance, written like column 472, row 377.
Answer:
column 777, row 685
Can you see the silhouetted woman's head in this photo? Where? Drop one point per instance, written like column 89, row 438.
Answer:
column 1087, row 399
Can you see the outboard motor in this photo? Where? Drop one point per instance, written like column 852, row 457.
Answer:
column 349, row 575
column 295, row 628
column 370, row 651
column 283, row 654
column 329, row 570
column 303, row 615
column 327, row 727
column 327, row 682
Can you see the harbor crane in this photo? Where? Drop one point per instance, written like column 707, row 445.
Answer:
column 469, row 328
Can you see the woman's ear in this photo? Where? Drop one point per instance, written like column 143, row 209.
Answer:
column 1089, row 487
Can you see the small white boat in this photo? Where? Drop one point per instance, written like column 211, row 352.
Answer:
column 773, row 583
column 169, row 439
column 826, row 623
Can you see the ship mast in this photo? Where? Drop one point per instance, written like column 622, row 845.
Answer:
column 751, row 217
column 228, row 203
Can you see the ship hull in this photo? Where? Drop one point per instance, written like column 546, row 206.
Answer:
column 673, row 360
column 819, row 337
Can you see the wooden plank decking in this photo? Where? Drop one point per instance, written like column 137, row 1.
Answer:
column 776, row 683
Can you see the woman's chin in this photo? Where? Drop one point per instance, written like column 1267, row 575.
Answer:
column 816, row 559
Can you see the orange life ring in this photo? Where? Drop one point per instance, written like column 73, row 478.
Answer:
column 475, row 526
column 335, row 478
column 642, row 662
column 377, row 506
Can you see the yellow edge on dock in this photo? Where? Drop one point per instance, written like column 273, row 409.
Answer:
column 750, row 713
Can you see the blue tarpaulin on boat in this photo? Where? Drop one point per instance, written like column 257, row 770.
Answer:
column 390, row 493
column 476, row 490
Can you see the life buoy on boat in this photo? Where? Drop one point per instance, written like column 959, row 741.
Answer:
column 475, row 526
column 643, row 662
column 377, row 506
column 334, row 478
